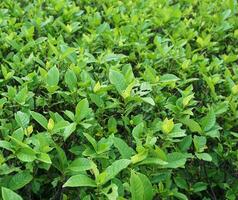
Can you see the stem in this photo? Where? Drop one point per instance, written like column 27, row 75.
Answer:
column 209, row 182
column 58, row 194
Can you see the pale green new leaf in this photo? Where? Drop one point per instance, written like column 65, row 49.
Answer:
column 167, row 125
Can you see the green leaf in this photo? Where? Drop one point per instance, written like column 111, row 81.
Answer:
column 82, row 110
column 111, row 192
column 4, row 72
column 167, row 78
column 69, row 130
column 68, row 52
column 26, row 155
column 187, row 99
column 118, row 80
column 112, row 125
column 6, row 145
column 81, row 164
column 208, row 121
column 8, row 194
column 80, row 181
column 149, row 100
column 113, row 57
column 127, row 92
column 18, row 142
column 22, row 96
column 85, row 85
column 138, row 130
column 151, row 161
column 148, row 189
column 60, row 160
column 204, row 156
column 140, row 187
column 221, row 107
column 57, row 127
column 19, row 180
column 123, row 148
column 22, row 119
column 177, row 132
column 185, row 144
column 192, row 125
column 181, row 182
column 97, row 100
column 70, row 79
column 2, row 102
column 160, row 154
column 91, row 140
column 199, row 186
column 50, row 124
column 40, row 119
column 111, row 171
column 104, row 145
column 180, row 196
column 52, row 78
column 199, row 143
column 176, row 160
column 44, row 157
column 142, row 155
column 136, row 187
column 167, row 125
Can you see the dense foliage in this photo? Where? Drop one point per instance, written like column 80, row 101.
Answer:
column 108, row 99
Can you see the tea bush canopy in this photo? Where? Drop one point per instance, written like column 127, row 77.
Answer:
column 118, row 100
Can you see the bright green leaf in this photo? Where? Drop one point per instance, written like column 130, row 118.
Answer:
column 80, row 181
column 8, row 194
column 40, row 119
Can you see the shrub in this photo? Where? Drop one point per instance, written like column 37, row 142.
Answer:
column 111, row 99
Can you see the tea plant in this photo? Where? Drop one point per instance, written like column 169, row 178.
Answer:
column 116, row 100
